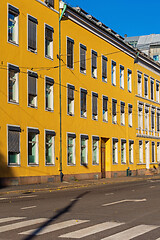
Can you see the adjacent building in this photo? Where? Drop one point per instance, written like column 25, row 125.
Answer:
column 86, row 105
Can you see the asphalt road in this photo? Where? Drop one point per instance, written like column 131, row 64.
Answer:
column 115, row 212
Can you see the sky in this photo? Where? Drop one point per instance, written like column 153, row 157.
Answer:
column 133, row 18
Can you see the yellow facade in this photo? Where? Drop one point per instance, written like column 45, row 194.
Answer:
column 83, row 31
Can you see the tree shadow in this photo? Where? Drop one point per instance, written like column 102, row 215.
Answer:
column 61, row 212
column 5, row 172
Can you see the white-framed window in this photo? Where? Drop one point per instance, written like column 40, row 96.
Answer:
column 49, row 82
column 113, row 73
column 121, row 76
column 152, row 89
column 146, row 121
column 140, row 117
column 122, row 113
column 32, row 89
column 123, row 151
column 13, row 24
column 94, row 64
column 158, row 120
column 105, row 109
column 84, row 149
column 95, row 150
column 70, row 52
column 49, row 147
column 104, row 68
column 33, row 158
column 49, row 41
column 153, row 119
column 158, row 152
column 114, row 111
column 140, row 152
column 83, row 103
column 139, row 84
column 129, row 80
column 153, row 152
column 94, row 106
column 83, row 50
column 70, row 99
column 157, row 92
column 14, row 145
column 32, row 33
column 13, row 83
column 146, row 86
column 130, row 115
column 131, row 158
column 115, row 150
column 71, row 149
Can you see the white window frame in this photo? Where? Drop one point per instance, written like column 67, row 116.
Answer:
column 151, row 82
column 35, row 101
column 15, row 81
column 157, row 92
column 140, row 117
column 139, row 83
column 153, row 149
column 122, row 115
column 94, row 116
column 153, row 114
column 37, row 146
column 129, row 76
column 104, row 59
column 93, row 69
column 52, row 134
column 85, row 137
column 158, row 152
column 71, row 113
column 81, row 46
column 73, row 136
column 105, row 112
column 123, row 144
column 113, row 72
column 15, row 12
column 141, row 152
column 158, row 116
column 84, row 115
column 71, row 40
column 146, row 119
column 28, row 48
column 131, row 148
column 115, row 141
column 51, row 42
column 50, row 81
column 114, row 117
column 121, row 72
column 96, row 138
column 130, row 122
column 145, row 80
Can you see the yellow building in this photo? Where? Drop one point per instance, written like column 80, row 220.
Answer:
column 75, row 109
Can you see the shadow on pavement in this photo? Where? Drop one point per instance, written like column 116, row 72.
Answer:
column 61, row 212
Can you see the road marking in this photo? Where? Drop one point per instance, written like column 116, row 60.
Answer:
column 30, row 196
column 56, row 226
column 24, row 208
column 131, row 233
column 152, row 186
column 9, row 219
column 21, row 224
column 75, row 199
column 107, row 194
column 91, row 230
column 3, row 198
column 125, row 200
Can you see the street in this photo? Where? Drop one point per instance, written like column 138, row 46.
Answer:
column 109, row 212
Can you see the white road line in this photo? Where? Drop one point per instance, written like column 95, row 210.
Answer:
column 91, row 230
column 24, row 208
column 125, row 200
column 56, row 226
column 29, row 196
column 21, row 224
column 152, row 186
column 9, row 219
column 3, row 198
column 131, row 233
column 107, row 194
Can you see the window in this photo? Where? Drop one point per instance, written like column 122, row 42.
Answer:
column 49, row 147
column 156, row 57
column 70, row 49
column 94, row 106
column 105, row 109
column 13, row 84
column 146, row 87
column 113, row 74
column 122, row 113
column 95, row 150
column 146, row 119
column 140, row 152
column 152, row 89
column 71, row 156
column 121, row 77
column 157, row 91
column 50, row 3
column 13, row 15
column 84, row 149
column 33, row 146
column 14, row 145
column 123, row 151
column 152, row 120
column 104, row 69
column 49, row 41
column 130, row 115
column 94, row 64
column 139, row 84
column 83, row 50
column 49, row 93
column 131, row 159
column 114, row 111
column 129, row 80
column 115, row 150
column 32, row 89
column 83, row 103
column 158, row 152
column 70, row 103
column 32, row 33
column 153, row 152
column 158, row 120
column 140, row 117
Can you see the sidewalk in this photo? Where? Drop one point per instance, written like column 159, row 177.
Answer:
column 73, row 184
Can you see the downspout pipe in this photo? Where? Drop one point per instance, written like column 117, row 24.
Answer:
column 62, row 9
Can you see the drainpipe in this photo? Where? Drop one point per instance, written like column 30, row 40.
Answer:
column 62, row 9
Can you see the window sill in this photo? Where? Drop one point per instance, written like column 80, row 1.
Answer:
column 95, row 164
column 50, row 165
column 33, row 165
column 83, row 117
column 13, row 43
column 122, row 88
column 129, row 91
column 13, row 102
column 115, row 163
column 49, row 58
column 115, row 123
column 104, row 80
column 141, row 163
column 105, row 121
column 114, row 85
column 123, row 163
column 83, row 72
column 71, row 164
column 71, row 68
column 30, row 106
column 14, row 165
column 153, row 163
column 122, row 124
column 70, row 114
column 49, row 110
column 32, row 51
